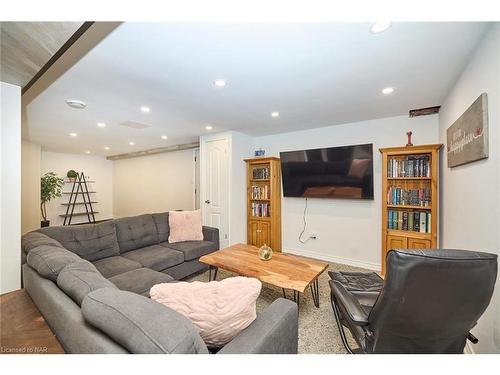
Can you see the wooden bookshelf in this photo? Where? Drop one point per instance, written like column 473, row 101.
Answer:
column 405, row 181
column 264, row 190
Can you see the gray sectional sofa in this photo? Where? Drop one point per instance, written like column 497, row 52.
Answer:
column 91, row 283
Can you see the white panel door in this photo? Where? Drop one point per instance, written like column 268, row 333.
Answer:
column 216, row 191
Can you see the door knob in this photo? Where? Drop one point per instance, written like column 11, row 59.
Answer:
column 207, row 201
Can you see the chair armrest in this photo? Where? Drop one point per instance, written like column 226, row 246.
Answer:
column 275, row 331
column 211, row 234
column 357, row 315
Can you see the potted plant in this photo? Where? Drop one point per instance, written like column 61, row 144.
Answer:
column 50, row 188
column 72, row 175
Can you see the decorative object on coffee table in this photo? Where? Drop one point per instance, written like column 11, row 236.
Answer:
column 285, row 271
column 265, row 252
column 50, row 188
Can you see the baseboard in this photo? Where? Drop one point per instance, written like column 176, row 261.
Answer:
column 335, row 259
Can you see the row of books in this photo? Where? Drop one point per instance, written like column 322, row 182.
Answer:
column 412, row 197
column 412, row 166
column 261, row 209
column 414, row 221
column 260, row 192
column 261, row 173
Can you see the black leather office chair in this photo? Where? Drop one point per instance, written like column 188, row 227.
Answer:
column 428, row 302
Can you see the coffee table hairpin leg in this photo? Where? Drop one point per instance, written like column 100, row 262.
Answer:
column 210, row 268
column 315, row 292
column 296, row 296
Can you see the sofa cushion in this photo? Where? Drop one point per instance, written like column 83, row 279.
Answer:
column 219, row 309
column 113, row 266
column 161, row 222
column 140, row 281
column 192, row 249
column 127, row 318
column 33, row 239
column 89, row 241
column 79, row 279
column 156, row 257
column 185, row 226
column 136, row 232
column 48, row 260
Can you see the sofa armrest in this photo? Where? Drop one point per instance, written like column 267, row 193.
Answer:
column 275, row 331
column 211, row 234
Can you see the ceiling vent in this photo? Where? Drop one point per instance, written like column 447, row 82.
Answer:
column 424, row 111
column 135, row 125
column 77, row 104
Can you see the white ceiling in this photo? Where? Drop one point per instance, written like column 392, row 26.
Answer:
column 314, row 74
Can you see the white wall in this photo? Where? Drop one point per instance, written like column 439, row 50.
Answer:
column 31, row 155
column 242, row 147
column 97, row 168
column 348, row 231
column 470, row 194
column 10, row 188
column 154, row 183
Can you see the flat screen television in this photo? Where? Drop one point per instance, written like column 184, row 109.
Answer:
column 334, row 172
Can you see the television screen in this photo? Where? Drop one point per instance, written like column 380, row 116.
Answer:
column 334, row 172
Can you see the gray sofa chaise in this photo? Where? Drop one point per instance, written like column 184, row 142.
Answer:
column 91, row 283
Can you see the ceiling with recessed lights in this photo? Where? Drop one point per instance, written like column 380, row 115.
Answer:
column 179, row 81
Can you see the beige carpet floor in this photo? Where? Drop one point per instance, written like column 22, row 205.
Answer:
column 318, row 333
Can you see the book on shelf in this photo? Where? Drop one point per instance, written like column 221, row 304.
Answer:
column 261, row 209
column 261, row 173
column 260, row 192
column 412, row 166
column 413, row 221
column 413, row 197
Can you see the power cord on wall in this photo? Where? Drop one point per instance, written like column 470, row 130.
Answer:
column 305, row 225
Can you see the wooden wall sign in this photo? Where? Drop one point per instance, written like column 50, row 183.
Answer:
column 467, row 138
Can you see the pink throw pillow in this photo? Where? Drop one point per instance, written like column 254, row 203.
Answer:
column 219, row 309
column 185, row 226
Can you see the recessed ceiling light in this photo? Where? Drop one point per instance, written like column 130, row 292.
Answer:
column 145, row 109
column 131, row 143
column 106, row 148
column 380, row 26
column 87, row 152
column 208, row 127
column 164, row 137
column 275, row 114
column 101, row 124
column 73, row 134
column 388, row 90
column 220, row 83
column 77, row 104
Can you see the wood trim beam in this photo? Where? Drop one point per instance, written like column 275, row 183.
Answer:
column 73, row 38
column 77, row 46
column 153, row 151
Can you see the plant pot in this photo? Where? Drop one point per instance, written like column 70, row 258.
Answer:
column 45, row 223
column 72, row 179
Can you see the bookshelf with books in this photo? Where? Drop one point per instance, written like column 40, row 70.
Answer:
column 409, row 198
column 264, row 202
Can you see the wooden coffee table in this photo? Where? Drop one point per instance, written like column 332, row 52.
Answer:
column 283, row 270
